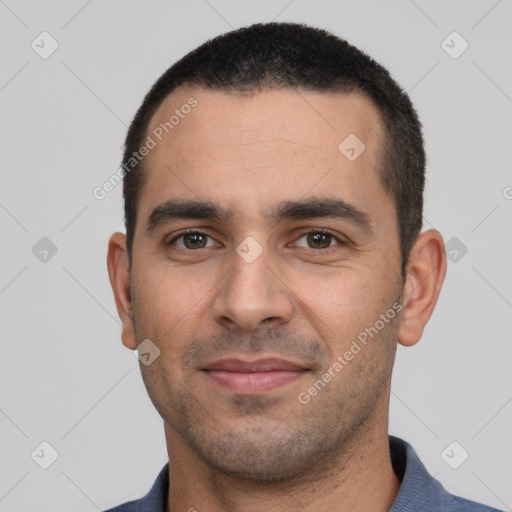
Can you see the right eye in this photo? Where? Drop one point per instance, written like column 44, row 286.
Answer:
column 191, row 240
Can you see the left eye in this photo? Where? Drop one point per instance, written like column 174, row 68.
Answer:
column 318, row 240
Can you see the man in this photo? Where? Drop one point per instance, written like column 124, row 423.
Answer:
column 272, row 261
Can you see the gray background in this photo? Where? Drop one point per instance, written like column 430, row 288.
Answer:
column 67, row 379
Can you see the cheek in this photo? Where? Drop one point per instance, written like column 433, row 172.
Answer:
column 344, row 304
column 165, row 303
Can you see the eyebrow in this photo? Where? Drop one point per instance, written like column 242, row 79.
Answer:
column 175, row 209
column 310, row 208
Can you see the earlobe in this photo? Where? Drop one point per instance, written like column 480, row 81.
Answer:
column 120, row 280
column 426, row 271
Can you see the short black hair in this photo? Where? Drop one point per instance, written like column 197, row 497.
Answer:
column 291, row 55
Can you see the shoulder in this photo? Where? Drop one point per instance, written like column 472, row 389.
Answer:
column 419, row 491
column 131, row 506
column 457, row 504
column 154, row 501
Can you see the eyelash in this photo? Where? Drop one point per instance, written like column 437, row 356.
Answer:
column 319, row 230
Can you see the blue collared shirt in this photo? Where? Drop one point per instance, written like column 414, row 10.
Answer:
column 419, row 492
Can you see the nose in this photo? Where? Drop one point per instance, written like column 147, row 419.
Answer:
column 252, row 294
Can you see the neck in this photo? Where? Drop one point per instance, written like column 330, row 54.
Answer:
column 359, row 478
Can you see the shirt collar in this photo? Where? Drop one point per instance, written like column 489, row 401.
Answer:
column 418, row 490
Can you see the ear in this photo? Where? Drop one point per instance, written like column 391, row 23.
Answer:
column 120, row 280
column 426, row 270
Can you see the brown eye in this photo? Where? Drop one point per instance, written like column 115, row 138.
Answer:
column 318, row 240
column 192, row 240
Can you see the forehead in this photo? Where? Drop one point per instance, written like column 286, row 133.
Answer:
column 243, row 150
column 312, row 119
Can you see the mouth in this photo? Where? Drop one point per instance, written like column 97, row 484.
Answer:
column 253, row 377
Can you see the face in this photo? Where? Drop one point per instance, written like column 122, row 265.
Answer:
column 267, row 272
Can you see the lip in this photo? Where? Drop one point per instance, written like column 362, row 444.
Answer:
column 253, row 377
column 268, row 364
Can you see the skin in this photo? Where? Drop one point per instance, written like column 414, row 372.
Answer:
column 298, row 300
